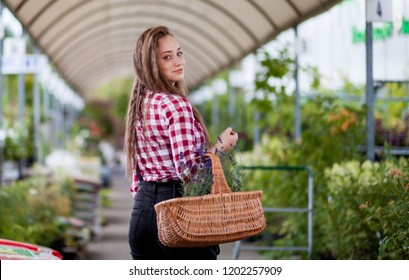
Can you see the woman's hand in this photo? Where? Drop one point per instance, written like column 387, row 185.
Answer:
column 226, row 141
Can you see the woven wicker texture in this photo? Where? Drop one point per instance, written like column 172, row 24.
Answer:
column 219, row 217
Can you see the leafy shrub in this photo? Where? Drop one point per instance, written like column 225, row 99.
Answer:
column 30, row 208
column 16, row 142
column 368, row 210
column 394, row 216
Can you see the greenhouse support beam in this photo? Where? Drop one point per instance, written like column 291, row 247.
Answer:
column 232, row 104
column 36, row 115
column 297, row 109
column 370, row 119
column 215, row 111
column 21, row 91
column 256, row 131
column 232, row 107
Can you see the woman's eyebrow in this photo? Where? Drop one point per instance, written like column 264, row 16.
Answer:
column 169, row 51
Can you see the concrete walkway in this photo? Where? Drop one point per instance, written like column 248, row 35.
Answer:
column 112, row 243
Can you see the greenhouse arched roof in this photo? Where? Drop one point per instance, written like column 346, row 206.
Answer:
column 90, row 41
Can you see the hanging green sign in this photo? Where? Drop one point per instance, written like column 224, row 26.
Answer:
column 379, row 33
column 405, row 27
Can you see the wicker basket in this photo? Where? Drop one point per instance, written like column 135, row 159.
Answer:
column 219, row 217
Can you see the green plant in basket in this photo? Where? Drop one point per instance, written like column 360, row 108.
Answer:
column 201, row 180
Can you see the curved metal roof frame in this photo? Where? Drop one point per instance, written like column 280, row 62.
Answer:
column 91, row 47
column 91, row 41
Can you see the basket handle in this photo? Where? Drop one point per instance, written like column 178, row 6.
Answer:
column 219, row 180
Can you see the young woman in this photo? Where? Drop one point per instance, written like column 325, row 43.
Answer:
column 162, row 129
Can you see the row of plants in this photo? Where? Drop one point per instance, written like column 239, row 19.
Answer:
column 30, row 209
column 43, row 209
column 360, row 209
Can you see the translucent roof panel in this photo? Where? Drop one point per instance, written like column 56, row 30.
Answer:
column 90, row 41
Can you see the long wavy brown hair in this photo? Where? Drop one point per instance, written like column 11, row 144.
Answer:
column 148, row 77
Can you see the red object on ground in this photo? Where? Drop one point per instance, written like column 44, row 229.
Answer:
column 14, row 250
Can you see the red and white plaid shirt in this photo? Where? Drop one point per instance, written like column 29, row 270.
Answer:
column 170, row 143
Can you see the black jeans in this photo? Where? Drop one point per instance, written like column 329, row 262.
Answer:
column 143, row 230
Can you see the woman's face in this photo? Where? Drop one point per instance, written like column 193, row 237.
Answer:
column 171, row 61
